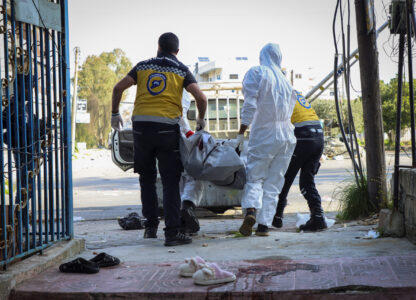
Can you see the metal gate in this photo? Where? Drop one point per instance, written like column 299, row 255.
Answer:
column 35, row 157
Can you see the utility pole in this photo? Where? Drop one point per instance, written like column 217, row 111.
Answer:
column 291, row 77
column 74, row 99
column 370, row 86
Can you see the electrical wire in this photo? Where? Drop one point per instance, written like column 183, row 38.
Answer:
column 353, row 133
column 337, row 104
column 345, row 61
column 353, row 88
column 391, row 46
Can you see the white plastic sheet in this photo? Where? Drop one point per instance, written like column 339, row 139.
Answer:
column 303, row 218
column 371, row 234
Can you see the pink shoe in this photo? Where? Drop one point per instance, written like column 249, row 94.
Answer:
column 190, row 266
column 211, row 273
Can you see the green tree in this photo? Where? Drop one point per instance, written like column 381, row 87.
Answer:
column 388, row 94
column 325, row 109
column 357, row 113
column 97, row 78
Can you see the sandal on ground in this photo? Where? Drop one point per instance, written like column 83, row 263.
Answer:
column 211, row 273
column 190, row 266
column 105, row 260
column 79, row 265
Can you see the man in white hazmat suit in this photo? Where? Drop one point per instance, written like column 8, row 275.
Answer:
column 191, row 189
column 268, row 105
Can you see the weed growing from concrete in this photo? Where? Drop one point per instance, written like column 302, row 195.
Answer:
column 237, row 234
column 354, row 200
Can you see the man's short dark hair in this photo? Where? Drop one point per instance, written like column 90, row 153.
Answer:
column 169, row 42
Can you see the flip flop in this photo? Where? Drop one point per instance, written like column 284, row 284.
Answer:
column 105, row 260
column 79, row 265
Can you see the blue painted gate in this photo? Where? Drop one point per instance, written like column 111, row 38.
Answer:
column 35, row 129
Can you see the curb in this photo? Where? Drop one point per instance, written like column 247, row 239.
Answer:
column 35, row 264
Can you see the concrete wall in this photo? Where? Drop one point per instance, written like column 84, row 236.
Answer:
column 407, row 204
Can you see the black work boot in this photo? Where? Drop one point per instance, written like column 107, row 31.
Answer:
column 315, row 223
column 278, row 216
column 277, row 221
column 249, row 220
column 262, row 230
column 189, row 219
column 178, row 239
column 150, row 233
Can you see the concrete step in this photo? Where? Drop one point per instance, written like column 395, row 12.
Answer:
column 392, row 277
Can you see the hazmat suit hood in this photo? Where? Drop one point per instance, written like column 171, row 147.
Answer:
column 271, row 56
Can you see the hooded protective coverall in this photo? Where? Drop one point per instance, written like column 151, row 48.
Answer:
column 190, row 188
column 268, row 105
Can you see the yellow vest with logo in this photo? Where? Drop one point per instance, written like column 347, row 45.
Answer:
column 160, row 83
column 158, row 94
column 303, row 111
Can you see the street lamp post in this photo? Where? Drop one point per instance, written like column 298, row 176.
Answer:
column 74, row 99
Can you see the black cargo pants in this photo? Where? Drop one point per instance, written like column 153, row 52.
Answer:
column 308, row 151
column 158, row 141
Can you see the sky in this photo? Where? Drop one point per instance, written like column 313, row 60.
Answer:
column 222, row 29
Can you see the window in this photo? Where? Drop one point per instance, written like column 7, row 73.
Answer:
column 218, row 77
column 191, row 115
column 233, row 107
column 233, row 76
column 222, row 109
column 212, row 109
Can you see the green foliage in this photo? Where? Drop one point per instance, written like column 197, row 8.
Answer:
column 6, row 186
column 326, row 110
column 389, row 144
column 354, row 200
column 96, row 80
column 390, row 205
column 388, row 94
column 237, row 234
column 357, row 112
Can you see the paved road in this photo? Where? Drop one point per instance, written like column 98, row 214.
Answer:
column 102, row 190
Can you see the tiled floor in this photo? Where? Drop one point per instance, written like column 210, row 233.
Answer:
column 334, row 278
